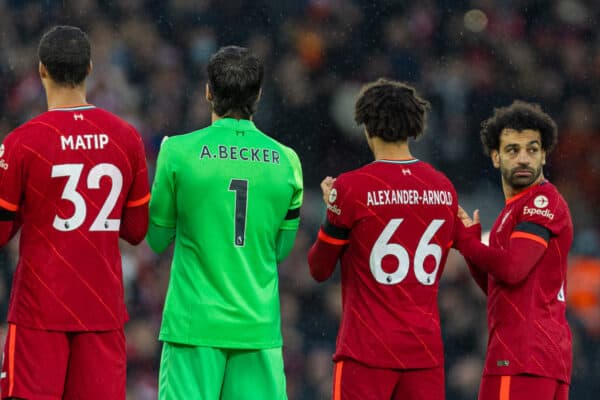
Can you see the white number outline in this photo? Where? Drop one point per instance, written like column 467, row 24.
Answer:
column 102, row 222
column 70, row 193
column 382, row 247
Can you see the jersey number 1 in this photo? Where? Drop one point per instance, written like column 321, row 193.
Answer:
column 240, row 187
column 383, row 248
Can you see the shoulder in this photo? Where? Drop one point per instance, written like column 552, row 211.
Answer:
column 544, row 195
column 289, row 153
column 364, row 173
column 353, row 174
column 180, row 143
column 346, row 181
column 115, row 120
column 182, row 139
column 28, row 129
column 439, row 174
column 276, row 143
column 548, row 188
column 545, row 205
column 434, row 173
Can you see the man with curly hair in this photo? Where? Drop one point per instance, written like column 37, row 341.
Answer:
column 391, row 223
column 523, row 271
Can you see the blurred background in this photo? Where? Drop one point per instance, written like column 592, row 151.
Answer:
column 465, row 56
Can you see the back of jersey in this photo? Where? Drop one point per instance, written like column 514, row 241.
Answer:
column 228, row 190
column 401, row 219
column 70, row 174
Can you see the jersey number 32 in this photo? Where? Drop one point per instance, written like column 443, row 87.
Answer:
column 70, row 193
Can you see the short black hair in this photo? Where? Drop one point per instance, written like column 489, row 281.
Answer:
column 391, row 110
column 235, row 77
column 65, row 51
column 520, row 115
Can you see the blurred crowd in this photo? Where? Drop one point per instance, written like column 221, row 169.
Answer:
column 465, row 56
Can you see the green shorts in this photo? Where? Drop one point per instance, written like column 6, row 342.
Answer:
column 210, row 373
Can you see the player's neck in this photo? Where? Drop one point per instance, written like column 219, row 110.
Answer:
column 61, row 96
column 389, row 150
column 214, row 117
column 510, row 191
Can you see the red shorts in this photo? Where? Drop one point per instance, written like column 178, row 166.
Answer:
column 48, row 365
column 355, row 381
column 522, row 387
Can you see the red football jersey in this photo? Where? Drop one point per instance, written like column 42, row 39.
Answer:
column 528, row 329
column 399, row 217
column 69, row 173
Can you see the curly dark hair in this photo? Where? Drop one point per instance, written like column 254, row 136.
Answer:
column 391, row 110
column 235, row 77
column 65, row 51
column 520, row 115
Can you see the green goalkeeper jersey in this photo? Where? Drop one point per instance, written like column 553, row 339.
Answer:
column 227, row 191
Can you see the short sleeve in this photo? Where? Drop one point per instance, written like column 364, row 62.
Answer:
column 292, row 218
column 162, row 202
column 12, row 184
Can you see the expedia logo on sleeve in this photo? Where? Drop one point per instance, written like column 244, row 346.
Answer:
column 331, row 206
column 332, row 195
column 334, row 209
column 540, row 202
column 3, row 164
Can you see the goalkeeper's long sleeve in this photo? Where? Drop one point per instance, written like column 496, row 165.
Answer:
column 159, row 237
column 284, row 243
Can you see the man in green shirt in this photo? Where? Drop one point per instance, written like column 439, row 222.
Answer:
column 229, row 197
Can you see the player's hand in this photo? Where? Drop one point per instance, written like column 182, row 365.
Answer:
column 466, row 219
column 326, row 185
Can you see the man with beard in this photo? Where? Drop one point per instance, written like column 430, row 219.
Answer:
column 523, row 271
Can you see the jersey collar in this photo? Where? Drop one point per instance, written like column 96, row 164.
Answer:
column 235, row 124
column 524, row 192
column 73, row 108
column 397, row 160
